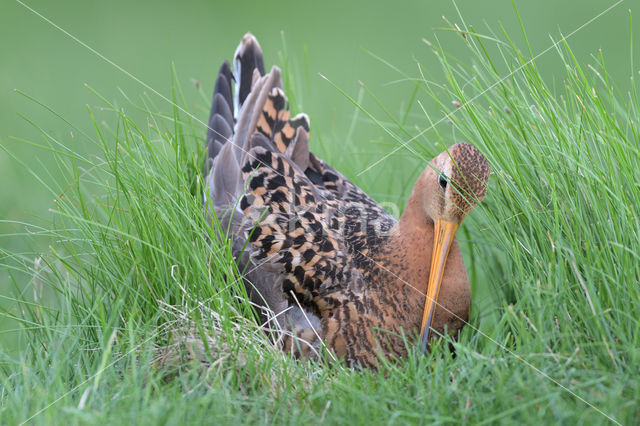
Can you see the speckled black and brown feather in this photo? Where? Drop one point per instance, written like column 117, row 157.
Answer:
column 274, row 120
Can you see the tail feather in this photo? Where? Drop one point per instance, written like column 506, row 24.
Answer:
column 252, row 109
column 224, row 132
column 221, row 117
column 298, row 149
column 289, row 135
column 223, row 108
column 246, row 59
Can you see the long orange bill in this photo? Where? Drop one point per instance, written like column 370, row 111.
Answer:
column 442, row 239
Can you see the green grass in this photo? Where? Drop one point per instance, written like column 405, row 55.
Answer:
column 132, row 316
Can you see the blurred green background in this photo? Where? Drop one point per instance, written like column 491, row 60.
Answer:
column 321, row 37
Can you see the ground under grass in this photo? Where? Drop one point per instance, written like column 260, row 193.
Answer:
column 133, row 316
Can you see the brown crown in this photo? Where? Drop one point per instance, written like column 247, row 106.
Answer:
column 470, row 174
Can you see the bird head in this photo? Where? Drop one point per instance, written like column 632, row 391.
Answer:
column 455, row 182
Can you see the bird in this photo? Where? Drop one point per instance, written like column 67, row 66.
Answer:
column 329, row 269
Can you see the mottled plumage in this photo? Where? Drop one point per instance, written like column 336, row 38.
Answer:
column 325, row 261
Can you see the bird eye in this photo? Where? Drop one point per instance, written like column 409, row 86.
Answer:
column 442, row 180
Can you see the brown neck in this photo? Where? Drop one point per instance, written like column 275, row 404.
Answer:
column 412, row 244
column 414, row 214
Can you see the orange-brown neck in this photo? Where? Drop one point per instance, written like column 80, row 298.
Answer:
column 413, row 239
